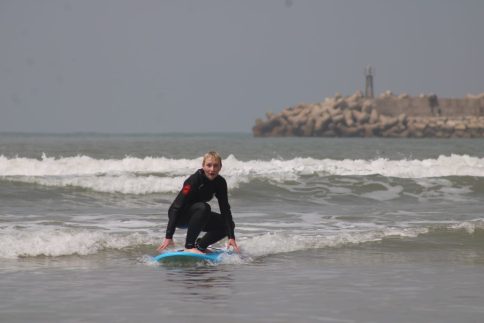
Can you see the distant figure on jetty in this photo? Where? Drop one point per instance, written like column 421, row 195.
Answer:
column 434, row 103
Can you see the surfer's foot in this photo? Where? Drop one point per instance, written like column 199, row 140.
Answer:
column 194, row 250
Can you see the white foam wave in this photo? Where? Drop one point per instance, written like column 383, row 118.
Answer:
column 126, row 183
column 469, row 226
column 85, row 165
column 274, row 243
column 58, row 241
column 132, row 175
column 53, row 242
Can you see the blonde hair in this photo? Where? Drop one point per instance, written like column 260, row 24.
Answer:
column 214, row 155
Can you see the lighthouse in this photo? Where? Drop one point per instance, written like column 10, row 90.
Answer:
column 369, row 82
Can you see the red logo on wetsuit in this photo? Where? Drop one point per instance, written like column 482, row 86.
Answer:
column 186, row 189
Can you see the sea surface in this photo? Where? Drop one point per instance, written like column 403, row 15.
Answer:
column 331, row 229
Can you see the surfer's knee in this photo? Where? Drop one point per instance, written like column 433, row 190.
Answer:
column 200, row 214
column 201, row 208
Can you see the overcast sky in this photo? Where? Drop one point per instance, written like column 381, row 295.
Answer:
column 217, row 65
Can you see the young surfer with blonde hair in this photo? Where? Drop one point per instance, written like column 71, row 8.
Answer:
column 190, row 209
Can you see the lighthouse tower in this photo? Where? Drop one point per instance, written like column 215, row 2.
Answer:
column 369, row 82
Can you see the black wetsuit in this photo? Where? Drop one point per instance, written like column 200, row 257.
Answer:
column 191, row 210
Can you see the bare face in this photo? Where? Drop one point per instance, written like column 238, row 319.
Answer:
column 211, row 168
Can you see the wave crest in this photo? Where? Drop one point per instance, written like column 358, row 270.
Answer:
column 132, row 175
column 64, row 242
column 54, row 242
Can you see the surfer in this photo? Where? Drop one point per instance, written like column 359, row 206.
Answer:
column 190, row 209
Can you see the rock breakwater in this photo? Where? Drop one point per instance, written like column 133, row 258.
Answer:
column 357, row 116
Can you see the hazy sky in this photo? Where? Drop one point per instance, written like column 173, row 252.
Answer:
column 203, row 66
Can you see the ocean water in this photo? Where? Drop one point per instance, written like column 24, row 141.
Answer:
column 331, row 230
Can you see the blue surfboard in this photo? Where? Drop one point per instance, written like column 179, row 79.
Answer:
column 182, row 256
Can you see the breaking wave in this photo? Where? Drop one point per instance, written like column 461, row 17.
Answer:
column 147, row 175
column 62, row 241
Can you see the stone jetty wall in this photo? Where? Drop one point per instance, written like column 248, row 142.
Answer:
column 385, row 116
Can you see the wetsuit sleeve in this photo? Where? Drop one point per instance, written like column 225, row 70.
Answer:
column 223, row 202
column 178, row 204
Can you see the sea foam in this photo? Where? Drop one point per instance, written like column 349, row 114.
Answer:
column 275, row 243
column 132, row 175
column 62, row 241
column 53, row 242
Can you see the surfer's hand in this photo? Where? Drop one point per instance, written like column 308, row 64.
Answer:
column 165, row 244
column 233, row 244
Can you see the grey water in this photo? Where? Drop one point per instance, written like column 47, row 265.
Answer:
column 331, row 229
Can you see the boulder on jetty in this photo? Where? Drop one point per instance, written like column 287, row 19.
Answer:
column 385, row 116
